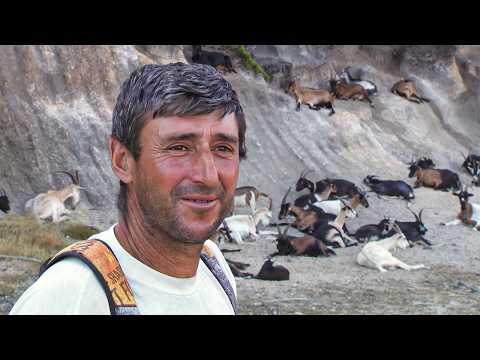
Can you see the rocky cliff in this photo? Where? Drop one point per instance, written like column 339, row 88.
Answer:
column 56, row 104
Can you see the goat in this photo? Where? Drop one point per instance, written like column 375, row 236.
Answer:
column 389, row 187
column 374, row 232
column 470, row 163
column 306, row 220
column 218, row 60
column 425, row 163
column 413, row 230
column 304, row 245
column 366, row 84
column 342, row 187
column 405, row 88
column 335, row 206
column 237, row 268
column 315, row 99
column 241, row 226
column 248, row 196
column 4, row 201
column 344, row 91
column 304, row 183
column 469, row 213
column 439, row 179
column 376, row 255
column 273, row 272
column 332, row 232
column 52, row 203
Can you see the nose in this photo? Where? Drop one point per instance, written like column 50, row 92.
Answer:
column 204, row 169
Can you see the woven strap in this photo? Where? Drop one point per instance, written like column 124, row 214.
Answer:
column 101, row 259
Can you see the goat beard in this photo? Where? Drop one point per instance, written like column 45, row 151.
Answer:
column 160, row 215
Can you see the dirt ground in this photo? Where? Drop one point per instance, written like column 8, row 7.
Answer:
column 337, row 285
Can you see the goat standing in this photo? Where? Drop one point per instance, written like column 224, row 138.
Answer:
column 218, row 60
column 315, row 99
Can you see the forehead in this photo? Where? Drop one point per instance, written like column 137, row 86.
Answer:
column 207, row 125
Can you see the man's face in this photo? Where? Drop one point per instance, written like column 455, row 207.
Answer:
column 186, row 175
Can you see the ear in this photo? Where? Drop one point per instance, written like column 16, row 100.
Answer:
column 123, row 162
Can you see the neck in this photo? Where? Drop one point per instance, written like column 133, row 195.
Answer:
column 63, row 194
column 355, row 202
column 340, row 219
column 389, row 243
column 156, row 249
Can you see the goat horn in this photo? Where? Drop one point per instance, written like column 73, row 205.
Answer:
column 77, row 177
column 420, row 215
column 285, row 196
column 416, row 216
column 463, row 154
column 69, row 174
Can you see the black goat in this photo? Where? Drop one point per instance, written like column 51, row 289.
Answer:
column 389, row 187
column 273, row 272
column 342, row 187
column 4, row 202
column 218, row 60
column 413, row 230
column 373, row 232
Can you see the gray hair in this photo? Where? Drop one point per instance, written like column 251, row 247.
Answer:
column 176, row 89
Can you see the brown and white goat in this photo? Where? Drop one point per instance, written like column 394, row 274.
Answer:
column 52, row 203
column 248, row 196
column 344, row 91
column 407, row 89
column 315, row 99
column 304, row 245
column 469, row 212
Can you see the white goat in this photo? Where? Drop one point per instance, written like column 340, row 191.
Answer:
column 242, row 226
column 334, row 207
column 376, row 254
column 51, row 204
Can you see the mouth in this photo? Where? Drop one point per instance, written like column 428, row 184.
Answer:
column 200, row 202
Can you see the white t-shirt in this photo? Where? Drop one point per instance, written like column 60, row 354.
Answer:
column 70, row 287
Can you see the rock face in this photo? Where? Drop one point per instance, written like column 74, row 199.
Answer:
column 56, row 104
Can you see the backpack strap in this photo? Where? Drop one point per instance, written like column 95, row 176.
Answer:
column 104, row 264
column 212, row 264
column 101, row 259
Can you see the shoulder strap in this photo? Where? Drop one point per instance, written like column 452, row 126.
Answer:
column 212, row 264
column 101, row 259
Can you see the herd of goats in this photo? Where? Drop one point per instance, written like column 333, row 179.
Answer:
column 320, row 215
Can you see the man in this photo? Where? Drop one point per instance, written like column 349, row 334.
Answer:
column 177, row 139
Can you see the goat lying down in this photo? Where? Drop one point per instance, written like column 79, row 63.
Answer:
column 469, row 212
column 52, row 203
column 240, row 227
column 376, row 255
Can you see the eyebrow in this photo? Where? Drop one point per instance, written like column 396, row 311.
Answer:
column 195, row 136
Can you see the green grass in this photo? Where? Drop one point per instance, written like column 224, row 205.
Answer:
column 25, row 236
column 249, row 61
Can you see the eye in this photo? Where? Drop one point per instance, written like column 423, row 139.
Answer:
column 223, row 148
column 178, row 148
